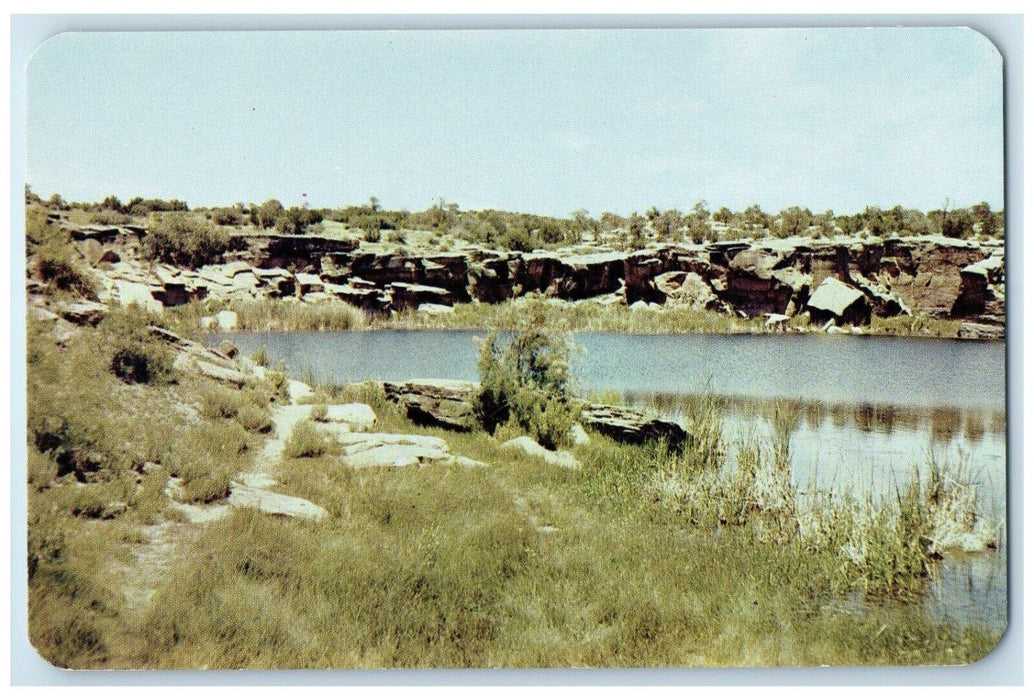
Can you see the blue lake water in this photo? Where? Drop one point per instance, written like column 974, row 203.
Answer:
column 869, row 410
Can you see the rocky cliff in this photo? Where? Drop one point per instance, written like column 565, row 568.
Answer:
column 930, row 275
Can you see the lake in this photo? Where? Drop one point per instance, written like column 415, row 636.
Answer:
column 867, row 410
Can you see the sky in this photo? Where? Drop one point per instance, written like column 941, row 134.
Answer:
column 542, row 121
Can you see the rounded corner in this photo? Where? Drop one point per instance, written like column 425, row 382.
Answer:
column 48, row 44
column 43, row 657
column 985, row 39
column 993, row 651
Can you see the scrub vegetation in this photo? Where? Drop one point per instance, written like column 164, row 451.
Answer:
column 645, row 556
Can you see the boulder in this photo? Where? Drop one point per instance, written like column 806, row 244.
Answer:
column 227, row 320
column 410, row 296
column 435, row 309
column 308, row 283
column 83, row 313
column 578, row 435
column 139, row 294
column 687, row 289
column 296, row 390
column 973, row 330
column 243, row 496
column 840, row 302
column 358, row 416
column 445, row 403
column 365, row 450
column 529, row 447
column 222, row 374
column 631, row 426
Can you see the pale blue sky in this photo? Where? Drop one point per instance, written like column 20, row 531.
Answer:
column 538, row 121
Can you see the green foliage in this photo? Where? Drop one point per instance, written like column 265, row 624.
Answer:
column 185, row 240
column 526, row 379
column 137, row 357
column 138, row 206
column 309, row 441
column 55, row 265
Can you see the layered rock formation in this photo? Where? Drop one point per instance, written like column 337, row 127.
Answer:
column 931, row 275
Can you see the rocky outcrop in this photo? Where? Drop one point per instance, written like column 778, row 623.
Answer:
column 930, row 275
column 631, row 426
column 445, row 403
column 839, row 302
column 531, row 448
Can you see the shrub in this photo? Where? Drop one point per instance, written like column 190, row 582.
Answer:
column 185, row 240
column 308, row 441
column 526, row 380
column 54, row 265
column 137, row 357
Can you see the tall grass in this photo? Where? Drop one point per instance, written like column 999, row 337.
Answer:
column 265, row 314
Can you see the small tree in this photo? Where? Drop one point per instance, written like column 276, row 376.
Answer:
column 526, row 378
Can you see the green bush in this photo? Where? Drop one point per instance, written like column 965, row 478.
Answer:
column 308, row 441
column 526, row 380
column 185, row 240
column 137, row 357
column 55, row 265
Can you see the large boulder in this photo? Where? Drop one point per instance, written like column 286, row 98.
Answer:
column 631, row 426
column 529, row 447
column 358, row 416
column 687, row 289
column 244, row 496
column 446, row 403
column 839, row 302
column 366, row 450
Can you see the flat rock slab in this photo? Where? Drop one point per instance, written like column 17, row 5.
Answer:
column 363, row 450
column 223, row 374
column 394, row 456
column 83, row 313
column 631, row 426
column 445, row 403
column 296, row 390
column 227, row 320
column 256, row 480
column 242, row 496
column 528, row 446
column 358, row 416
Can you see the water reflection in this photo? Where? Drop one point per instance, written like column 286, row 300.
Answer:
column 944, row 424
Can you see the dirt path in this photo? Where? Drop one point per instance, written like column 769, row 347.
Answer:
column 168, row 542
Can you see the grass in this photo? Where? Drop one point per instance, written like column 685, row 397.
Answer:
column 915, row 326
column 272, row 315
column 587, row 316
column 582, row 316
column 655, row 559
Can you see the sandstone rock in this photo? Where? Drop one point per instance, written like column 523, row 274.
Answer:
column 687, row 289
column 631, row 426
column 973, row 330
column 364, row 450
column 435, row 309
column 308, row 283
column 445, row 403
column 139, row 294
column 227, row 320
column 113, row 510
column 410, row 296
column 578, row 435
column 296, row 390
column 242, row 496
column 838, row 301
column 228, row 349
column 358, row 416
column 223, row 374
column 529, row 447
column 83, row 313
